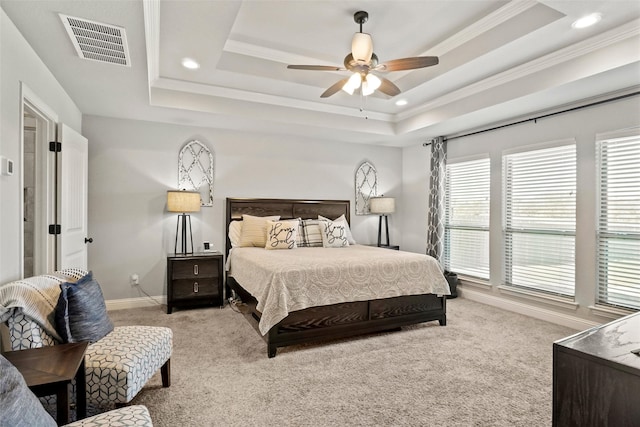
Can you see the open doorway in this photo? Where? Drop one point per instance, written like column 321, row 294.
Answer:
column 39, row 179
column 29, row 192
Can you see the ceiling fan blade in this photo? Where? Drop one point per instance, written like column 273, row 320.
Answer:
column 334, row 88
column 315, row 67
column 408, row 63
column 388, row 88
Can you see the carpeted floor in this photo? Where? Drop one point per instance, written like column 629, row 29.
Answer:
column 487, row 367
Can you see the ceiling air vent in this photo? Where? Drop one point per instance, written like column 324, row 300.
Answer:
column 96, row 41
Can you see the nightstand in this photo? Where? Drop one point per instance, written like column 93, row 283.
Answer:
column 194, row 280
column 393, row 247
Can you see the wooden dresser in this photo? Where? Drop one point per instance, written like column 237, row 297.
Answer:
column 596, row 377
column 194, row 280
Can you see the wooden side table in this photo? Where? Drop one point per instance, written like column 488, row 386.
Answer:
column 194, row 280
column 49, row 370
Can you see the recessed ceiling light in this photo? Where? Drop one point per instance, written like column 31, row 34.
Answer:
column 401, row 102
column 587, row 21
column 190, row 64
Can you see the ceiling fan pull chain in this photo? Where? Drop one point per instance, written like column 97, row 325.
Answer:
column 363, row 102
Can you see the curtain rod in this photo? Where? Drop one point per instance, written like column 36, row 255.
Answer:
column 543, row 116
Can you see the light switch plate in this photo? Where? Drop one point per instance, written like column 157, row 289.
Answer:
column 6, row 166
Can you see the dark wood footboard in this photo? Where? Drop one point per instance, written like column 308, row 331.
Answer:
column 343, row 320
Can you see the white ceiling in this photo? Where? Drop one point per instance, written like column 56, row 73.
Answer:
column 498, row 60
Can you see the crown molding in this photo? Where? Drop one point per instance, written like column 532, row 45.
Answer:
column 268, row 54
column 584, row 47
column 151, row 12
column 261, row 98
column 481, row 26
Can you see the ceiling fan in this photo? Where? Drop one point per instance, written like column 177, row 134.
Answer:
column 363, row 62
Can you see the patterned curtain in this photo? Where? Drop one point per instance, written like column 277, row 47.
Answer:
column 435, row 230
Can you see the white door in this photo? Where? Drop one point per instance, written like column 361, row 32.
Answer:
column 72, row 198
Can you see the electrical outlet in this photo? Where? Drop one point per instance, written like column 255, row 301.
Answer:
column 134, row 279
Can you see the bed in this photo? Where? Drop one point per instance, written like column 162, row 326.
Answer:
column 330, row 306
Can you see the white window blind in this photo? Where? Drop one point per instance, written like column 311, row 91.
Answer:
column 466, row 248
column 618, row 236
column 540, row 219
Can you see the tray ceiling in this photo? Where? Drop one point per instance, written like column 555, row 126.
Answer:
column 498, row 60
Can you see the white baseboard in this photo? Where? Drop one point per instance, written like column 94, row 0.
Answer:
column 125, row 303
column 569, row 321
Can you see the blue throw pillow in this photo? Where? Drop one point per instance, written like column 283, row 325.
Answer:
column 19, row 407
column 81, row 314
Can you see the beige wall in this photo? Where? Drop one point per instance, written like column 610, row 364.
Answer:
column 133, row 163
column 20, row 65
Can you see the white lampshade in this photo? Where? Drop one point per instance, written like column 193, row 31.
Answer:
column 183, row 201
column 370, row 84
column 382, row 205
column 352, row 84
column 362, row 47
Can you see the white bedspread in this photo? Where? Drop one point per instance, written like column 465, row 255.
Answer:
column 283, row 281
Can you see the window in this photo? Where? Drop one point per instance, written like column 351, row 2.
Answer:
column 540, row 219
column 466, row 248
column 618, row 235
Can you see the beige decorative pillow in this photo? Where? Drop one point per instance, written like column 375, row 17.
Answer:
column 334, row 234
column 254, row 230
column 235, row 232
column 282, row 234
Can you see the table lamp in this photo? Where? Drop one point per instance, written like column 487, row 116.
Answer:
column 382, row 206
column 183, row 202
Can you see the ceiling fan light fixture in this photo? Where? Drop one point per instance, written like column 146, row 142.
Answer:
column 362, row 47
column 370, row 84
column 352, row 84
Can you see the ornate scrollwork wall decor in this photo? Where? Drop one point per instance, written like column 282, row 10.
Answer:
column 195, row 170
column 366, row 187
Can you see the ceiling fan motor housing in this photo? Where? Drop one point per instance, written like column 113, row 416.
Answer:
column 351, row 64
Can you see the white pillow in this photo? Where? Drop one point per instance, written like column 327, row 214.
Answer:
column 254, row 230
column 235, row 231
column 309, row 235
column 344, row 219
column 334, row 234
column 282, row 234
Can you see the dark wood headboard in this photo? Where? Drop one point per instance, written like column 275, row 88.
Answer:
column 286, row 208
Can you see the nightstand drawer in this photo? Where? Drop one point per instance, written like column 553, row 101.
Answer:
column 194, row 288
column 191, row 269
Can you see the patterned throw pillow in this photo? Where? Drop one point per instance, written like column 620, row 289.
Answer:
column 309, row 235
column 334, row 234
column 346, row 224
column 254, row 230
column 281, row 234
column 81, row 314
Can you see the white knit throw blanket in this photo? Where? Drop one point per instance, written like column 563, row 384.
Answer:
column 37, row 297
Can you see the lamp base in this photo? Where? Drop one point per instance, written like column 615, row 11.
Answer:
column 386, row 224
column 184, row 250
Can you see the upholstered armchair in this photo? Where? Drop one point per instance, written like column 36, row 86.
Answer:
column 20, row 407
column 117, row 365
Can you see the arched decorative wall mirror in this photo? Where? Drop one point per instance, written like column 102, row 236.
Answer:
column 195, row 170
column 366, row 187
